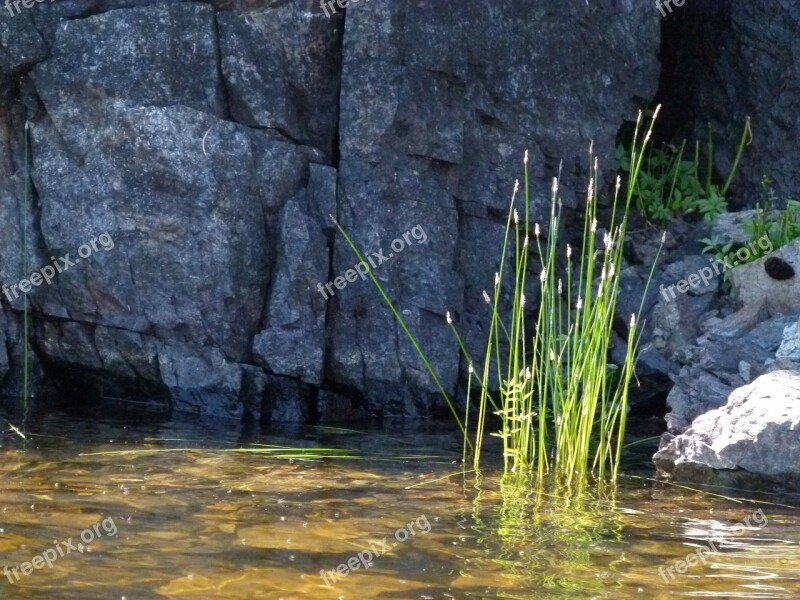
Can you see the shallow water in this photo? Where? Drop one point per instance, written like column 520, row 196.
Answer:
column 205, row 523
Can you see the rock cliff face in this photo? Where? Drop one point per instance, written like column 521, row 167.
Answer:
column 210, row 142
column 726, row 60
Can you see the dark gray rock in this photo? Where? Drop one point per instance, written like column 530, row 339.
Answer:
column 190, row 252
column 189, row 202
column 293, row 341
column 463, row 89
column 752, row 71
column 695, row 392
column 185, row 130
column 289, row 400
column 736, row 324
column 97, row 69
column 369, row 350
column 281, row 66
column 21, row 43
column 201, row 381
column 337, row 408
column 440, row 105
column 254, row 392
column 4, row 362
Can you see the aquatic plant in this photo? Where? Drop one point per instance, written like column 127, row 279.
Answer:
column 561, row 404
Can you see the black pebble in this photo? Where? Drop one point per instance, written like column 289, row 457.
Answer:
column 778, row 269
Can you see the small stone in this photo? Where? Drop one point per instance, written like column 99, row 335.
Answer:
column 745, row 370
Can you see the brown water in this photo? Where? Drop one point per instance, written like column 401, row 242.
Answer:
column 210, row 524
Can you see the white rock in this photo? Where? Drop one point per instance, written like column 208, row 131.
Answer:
column 754, row 438
column 790, row 345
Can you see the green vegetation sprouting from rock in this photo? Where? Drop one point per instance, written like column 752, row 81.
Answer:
column 670, row 183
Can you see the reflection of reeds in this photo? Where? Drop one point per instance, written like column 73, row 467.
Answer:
column 562, row 406
column 544, row 532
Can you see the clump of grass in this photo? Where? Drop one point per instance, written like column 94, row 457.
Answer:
column 561, row 404
column 560, row 408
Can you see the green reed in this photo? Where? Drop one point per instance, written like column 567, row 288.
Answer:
column 24, row 266
column 25, row 272
column 546, row 375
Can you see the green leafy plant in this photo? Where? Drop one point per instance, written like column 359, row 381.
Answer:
column 724, row 252
column 780, row 226
column 670, row 185
column 561, row 404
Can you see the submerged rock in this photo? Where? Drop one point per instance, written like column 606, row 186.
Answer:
column 752, row 441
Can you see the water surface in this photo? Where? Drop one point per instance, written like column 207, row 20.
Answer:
column 207, row 523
